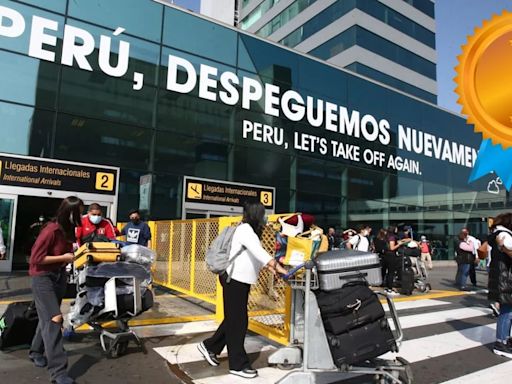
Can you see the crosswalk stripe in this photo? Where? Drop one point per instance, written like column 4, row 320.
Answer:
column 403, row 305
column 188, row 353
column 265, row 376
column 497, row 374
column 175, row 329
column 430, row 318
column 445, row 343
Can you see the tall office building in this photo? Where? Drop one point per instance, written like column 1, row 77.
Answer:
column 391, row 41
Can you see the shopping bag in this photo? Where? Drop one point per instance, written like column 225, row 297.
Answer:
column 299, row 250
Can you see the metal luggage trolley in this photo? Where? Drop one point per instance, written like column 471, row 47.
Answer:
column 309, row 346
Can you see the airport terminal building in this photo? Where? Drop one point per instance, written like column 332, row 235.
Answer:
column 161, row 94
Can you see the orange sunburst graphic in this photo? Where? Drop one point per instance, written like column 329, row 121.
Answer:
column 484, row 79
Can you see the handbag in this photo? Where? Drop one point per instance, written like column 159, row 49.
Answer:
column 483, row 251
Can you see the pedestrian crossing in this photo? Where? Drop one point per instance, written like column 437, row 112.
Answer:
column 446, row 341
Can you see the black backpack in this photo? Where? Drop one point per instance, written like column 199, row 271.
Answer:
column 18, row 324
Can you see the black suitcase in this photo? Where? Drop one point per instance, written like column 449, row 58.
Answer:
column 359, row 313
column 363, row 343
column 350, row 307
column 407, row 285
column 18, row 324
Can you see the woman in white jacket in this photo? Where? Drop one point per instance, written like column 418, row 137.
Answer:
column 244, row 271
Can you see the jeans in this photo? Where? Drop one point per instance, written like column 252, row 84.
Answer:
column 504, row 323
column 48, row 291
column 462, row 274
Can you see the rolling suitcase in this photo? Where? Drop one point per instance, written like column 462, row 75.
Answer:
column 98, row 252
column 407, row 286
column 350, row 307
column 363, row 343
column 336, row 268
column 18, row 324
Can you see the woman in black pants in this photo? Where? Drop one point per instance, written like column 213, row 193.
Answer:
column 51, row 252
column 391, row 260
column 248, row 258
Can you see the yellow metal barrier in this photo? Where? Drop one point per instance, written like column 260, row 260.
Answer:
column 181, row 246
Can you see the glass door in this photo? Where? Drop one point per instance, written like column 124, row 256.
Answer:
column 8, row 204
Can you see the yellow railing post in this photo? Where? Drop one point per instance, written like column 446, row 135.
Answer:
column 169, row 265
column 152, row 228
column 193, row 257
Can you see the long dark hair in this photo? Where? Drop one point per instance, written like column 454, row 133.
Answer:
column 503, row 219
column 254, row 214
column 390, row 232
column 382, row 234
column 69, row 216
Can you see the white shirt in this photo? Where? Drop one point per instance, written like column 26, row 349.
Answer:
column 475, row 242
column 364, row 244
column 504, row 237
column 246, row 267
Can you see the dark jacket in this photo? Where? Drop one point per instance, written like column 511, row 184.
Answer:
column 462, row 256
column 500, row 273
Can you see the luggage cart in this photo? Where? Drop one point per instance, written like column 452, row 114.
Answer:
column 421, row 278
column 309, row 348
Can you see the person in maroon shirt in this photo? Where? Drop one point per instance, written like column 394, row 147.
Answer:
column 52, row 250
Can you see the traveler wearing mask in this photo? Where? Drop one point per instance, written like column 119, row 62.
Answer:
column 51, row 252
column 94, row 227
column 137, row 231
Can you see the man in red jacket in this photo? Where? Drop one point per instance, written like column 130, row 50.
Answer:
column 94, row 227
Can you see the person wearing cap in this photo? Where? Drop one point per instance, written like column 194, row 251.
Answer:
column 426, row 251
column 137, row 231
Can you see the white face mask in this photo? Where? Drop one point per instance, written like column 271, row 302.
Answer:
column 95, row 219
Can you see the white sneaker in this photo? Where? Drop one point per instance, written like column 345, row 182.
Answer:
column 246, row 373
column 210, row 357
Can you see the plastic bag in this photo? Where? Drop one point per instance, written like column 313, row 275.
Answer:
column 138, row 254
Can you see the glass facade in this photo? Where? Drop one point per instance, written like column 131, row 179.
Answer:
column 373, row 8
column 55, row 110
column 363, row 38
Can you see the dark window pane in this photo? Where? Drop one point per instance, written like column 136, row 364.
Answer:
column 120, row 13
column 102, row 142
column 210, row 40
column 35, row 82
column 166, row 199
column 185, row 155
column 26, row 131
column 267, row 60
column 391, row 81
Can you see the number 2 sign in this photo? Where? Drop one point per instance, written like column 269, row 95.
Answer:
column 105, row 181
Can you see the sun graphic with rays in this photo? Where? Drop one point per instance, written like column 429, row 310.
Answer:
column 484, row 79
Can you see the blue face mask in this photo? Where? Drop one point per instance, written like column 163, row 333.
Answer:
column 95, row 219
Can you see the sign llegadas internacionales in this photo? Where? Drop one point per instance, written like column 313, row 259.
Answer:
column 45, row 174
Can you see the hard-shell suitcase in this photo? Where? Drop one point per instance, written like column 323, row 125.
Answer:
column 336, row 268
column 18, row 324
column 363, row 343
column 93, row 253
column 350, row 307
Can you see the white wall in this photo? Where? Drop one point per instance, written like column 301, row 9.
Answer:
column 222, row 10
